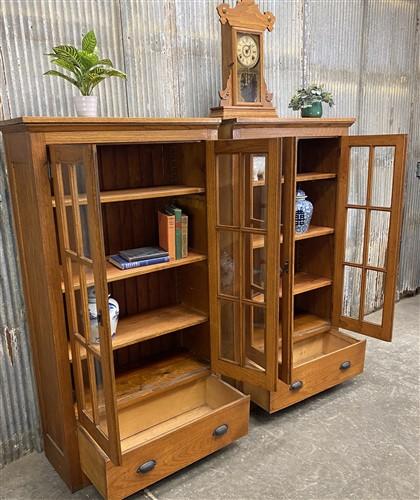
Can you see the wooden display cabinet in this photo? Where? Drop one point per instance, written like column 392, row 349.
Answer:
column 352, row 244
column 252, row 302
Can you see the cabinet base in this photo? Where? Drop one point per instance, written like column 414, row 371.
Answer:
column 228, row 112
column 313, row 377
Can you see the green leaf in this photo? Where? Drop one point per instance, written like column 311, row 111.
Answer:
column 117, row 73
column 89, row 42
column 87, row 59
column 67, row 53
column 105, row 62
column 52, row 72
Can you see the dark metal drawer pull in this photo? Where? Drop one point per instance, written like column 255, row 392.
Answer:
column 345, row 365
column 221, row 430
column 296, row 385
column 146, row 467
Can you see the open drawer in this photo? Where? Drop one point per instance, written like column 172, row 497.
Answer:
column 319, row 362
column 165, row 433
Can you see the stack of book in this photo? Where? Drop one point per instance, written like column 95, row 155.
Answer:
column 138, row 257
column 173, row 232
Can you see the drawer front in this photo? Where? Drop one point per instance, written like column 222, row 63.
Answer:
column 320, row 374
column 177, row 449
column 167, row 453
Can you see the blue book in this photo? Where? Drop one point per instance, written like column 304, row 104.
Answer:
column 121, row 263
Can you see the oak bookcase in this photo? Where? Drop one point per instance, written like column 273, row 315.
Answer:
column 254, row 311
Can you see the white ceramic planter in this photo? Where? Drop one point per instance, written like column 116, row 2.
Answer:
column 114, row 311
column 86, row 105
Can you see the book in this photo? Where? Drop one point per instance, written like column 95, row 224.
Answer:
column 184, row 232
column 142, row 253
column 177, row 212
column 122, row 264
column 166, row 226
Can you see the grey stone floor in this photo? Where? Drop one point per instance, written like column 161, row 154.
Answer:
column 359, row 441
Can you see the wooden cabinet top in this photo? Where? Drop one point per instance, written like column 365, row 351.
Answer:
column 69, row 130
column 251, row 128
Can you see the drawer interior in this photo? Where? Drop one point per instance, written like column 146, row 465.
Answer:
column 158, row 415
column 320, row 345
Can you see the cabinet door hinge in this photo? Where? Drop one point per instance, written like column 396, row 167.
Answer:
column 285, row 268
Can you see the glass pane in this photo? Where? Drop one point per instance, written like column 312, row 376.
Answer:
column 228, row 189
column 254, row 266
column 374, row 297
column 258, row 163
column 351, row 291
column 87, row 389
column 228, row 262
column 100, row 396
column 254, row 332
column 358, row 175
column 229, row 330
column 382, row 174
column 355, row 235
column 85, row 230
column 378, row 238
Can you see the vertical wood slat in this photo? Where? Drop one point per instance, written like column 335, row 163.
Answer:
column 287, row 262
column 68, row 274
column 366, row 235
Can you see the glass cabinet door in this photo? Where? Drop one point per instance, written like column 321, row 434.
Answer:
column 78, row 216
column 243, row 182
column 369, row 220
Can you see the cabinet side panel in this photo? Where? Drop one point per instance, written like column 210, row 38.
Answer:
column 31, row 198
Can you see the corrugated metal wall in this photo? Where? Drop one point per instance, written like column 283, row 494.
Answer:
column 365, row 51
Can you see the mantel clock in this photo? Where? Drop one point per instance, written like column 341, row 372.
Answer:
column 244, row 89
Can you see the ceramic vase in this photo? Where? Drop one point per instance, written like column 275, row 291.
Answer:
column 313, row 111
column 86, row 105
column 303, row 214
column 114, row 311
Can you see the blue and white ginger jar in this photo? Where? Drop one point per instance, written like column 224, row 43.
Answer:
column 114, row 311
column 304, row 210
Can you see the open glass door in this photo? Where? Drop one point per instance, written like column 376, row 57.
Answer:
column 243, row 211
column 76, row 196
column 368, row 229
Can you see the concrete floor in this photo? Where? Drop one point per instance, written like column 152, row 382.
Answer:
column 359, row 441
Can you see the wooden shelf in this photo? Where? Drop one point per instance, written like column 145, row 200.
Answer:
column 313, row 232
column 260, row 182
column 157, row 377
column 147, row 325
column 315, row 176
column 139, row 194
column 306, row 325
column 115, row 274
column 305, row 282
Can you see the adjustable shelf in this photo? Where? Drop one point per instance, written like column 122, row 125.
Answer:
column 157, row 377
column 147, row 325
column 115, row 274
column 313, row 232
column 304, row 282
column 306, row 325
column 315, row 176
column 138, row 194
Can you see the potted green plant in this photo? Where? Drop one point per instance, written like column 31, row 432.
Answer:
column 309, row 100
column 86, row 69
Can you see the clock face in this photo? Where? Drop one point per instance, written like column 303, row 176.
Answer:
column 247, row 51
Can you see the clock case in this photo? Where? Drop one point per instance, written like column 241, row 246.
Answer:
column 244, row 18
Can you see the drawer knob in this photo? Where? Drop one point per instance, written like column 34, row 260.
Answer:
column 345, row 365
column 221, row 430
column 146, row 467
column 296, row 385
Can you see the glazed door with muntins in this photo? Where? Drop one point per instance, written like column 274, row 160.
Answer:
column 78, row 216
column 369, row 213
column 243, row 180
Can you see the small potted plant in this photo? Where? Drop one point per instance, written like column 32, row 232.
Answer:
column 309, row 100
column 86, row 69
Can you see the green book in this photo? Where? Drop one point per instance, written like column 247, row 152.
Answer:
column 173, row 210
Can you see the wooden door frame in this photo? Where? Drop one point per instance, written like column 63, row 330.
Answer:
column 399, row 141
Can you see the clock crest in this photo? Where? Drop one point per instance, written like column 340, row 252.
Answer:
column 244, row 89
